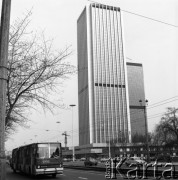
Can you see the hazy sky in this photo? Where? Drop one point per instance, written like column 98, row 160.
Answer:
column 149, row 42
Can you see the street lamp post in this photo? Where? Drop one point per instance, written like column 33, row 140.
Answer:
column 73, row 150
column 109, row 142
column 109, row 148
column 58, row 122
column 36, row 139
column 146, row 127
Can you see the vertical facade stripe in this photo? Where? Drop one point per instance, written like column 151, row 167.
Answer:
column 124, row 91
column 96, row 70
column 108, row 78
column 126, row 81
column 122, row 127
column 90, row 73
column 104, row 80
column 115, row 82
column 112, row 76
column 100, row 76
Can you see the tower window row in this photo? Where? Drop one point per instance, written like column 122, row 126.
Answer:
column 109, row 85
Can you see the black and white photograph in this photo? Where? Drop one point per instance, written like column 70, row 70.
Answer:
column 88, row 89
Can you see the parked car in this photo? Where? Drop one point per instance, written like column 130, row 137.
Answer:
column 103, row 160
column 152, row 158
column 163, row 158
column 134, row 160
column 82, row 159
column 7, row 162
column 65, row 159
column 174, row 160
column 90, row 162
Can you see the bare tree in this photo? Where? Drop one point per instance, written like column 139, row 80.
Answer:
column 138, row 138
column 166, row 132
column 35, row 71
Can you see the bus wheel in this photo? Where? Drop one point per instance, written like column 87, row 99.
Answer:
column 29, row 171
column 53, row 175
column 14, row 170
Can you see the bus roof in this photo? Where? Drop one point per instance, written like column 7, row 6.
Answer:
column 36, row 144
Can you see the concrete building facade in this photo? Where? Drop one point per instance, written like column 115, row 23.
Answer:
column 102, row 78
column 136, row 93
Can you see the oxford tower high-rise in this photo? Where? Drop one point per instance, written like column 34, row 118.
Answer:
column 102, row 76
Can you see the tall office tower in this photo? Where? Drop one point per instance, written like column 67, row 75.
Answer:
column 136, row 93
column 102, row 78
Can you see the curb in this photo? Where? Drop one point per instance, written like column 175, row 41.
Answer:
column 149, row 173
column 94, row 168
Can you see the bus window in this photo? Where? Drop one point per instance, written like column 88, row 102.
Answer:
column 43, row 151
column 54, row 150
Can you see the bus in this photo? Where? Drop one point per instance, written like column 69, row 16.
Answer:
column 38, row 158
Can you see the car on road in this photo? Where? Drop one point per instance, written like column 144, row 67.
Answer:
column 90, row 162
column 104, row 160
column 174, row 160
column 82, row 159
column 134, row 160
column 163, row 158
column 66, row 160
column 7, row 162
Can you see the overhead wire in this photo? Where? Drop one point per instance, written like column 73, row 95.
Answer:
column 150, row 18
column 149, row 117
column 163, row 100
column 136, row 14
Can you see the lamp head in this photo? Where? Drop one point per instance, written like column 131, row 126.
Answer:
column 72, row 105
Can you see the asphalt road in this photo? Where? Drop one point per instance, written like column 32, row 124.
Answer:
column 69, row 174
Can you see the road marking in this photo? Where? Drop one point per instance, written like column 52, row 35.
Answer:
column 82, row 178
column 92, row 172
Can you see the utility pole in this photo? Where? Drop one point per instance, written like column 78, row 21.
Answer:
column 73, row 149
column 65, row 139
column 4, row 40
column 146, row 128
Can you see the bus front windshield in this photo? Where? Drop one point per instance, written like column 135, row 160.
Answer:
column 48, row 150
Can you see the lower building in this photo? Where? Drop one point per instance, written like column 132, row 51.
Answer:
column 101, row 150
column 136, row 93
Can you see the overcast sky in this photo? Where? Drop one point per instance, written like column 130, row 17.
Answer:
column 152, row 43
